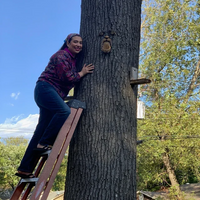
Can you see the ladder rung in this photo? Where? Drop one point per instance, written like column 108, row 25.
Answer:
column 29, row 180
column 45, row 153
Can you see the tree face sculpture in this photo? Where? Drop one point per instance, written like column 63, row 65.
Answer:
column 102, row 160
column 106, row 44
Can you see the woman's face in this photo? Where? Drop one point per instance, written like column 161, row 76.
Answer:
column 75, row 45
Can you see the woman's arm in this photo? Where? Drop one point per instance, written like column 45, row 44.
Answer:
column 66, row 71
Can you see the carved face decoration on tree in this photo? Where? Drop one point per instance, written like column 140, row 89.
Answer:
column 106, row 43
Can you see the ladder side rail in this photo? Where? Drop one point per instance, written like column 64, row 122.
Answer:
column 40, row 165
column 52, row 157
column 18, row 191
column 37, row 171
column 61, row 156
column 28, row 190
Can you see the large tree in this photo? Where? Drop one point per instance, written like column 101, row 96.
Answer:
column 170, row 58
column 102, row 158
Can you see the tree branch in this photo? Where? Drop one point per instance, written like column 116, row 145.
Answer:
column 192, row 83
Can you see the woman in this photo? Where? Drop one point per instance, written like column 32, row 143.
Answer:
column 52, row 87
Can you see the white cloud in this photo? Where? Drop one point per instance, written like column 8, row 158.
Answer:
column 13, row 120
column 18, row 126
column 15, row 95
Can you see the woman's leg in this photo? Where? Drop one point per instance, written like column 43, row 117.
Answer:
column 53, row 113
column 27, row 163
column 60, row 111
column 45, row 116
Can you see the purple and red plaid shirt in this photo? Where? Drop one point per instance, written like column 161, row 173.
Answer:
column 61, row 72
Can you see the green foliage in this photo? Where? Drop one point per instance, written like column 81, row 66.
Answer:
column 169, row 57
column 11, row 153
column 15, row 141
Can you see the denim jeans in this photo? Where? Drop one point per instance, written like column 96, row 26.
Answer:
column 53, row 113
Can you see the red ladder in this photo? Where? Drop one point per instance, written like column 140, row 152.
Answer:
column 46, row 173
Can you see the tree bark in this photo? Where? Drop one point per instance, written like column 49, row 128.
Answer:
column 171, row 174
column 102, row 155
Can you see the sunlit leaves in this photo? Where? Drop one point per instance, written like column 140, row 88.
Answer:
column 12, row 151
column 169, row 56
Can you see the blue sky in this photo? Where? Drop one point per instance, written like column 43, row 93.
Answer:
column 31, row 31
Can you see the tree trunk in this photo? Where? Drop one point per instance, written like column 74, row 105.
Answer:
column 172, row 175
column 102, row 156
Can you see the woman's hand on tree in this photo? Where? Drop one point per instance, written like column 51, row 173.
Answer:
column 87, row 69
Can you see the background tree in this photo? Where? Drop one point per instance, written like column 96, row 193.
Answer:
column 170, row 58
column 11, row 152
column 1, row 164
column 15, row 141
column 102, row 158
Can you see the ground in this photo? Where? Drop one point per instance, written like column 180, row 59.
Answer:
column 192, row 192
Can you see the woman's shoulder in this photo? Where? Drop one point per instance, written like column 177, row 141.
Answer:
column 61, row 54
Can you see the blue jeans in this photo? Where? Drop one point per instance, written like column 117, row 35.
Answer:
column 53, row 113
